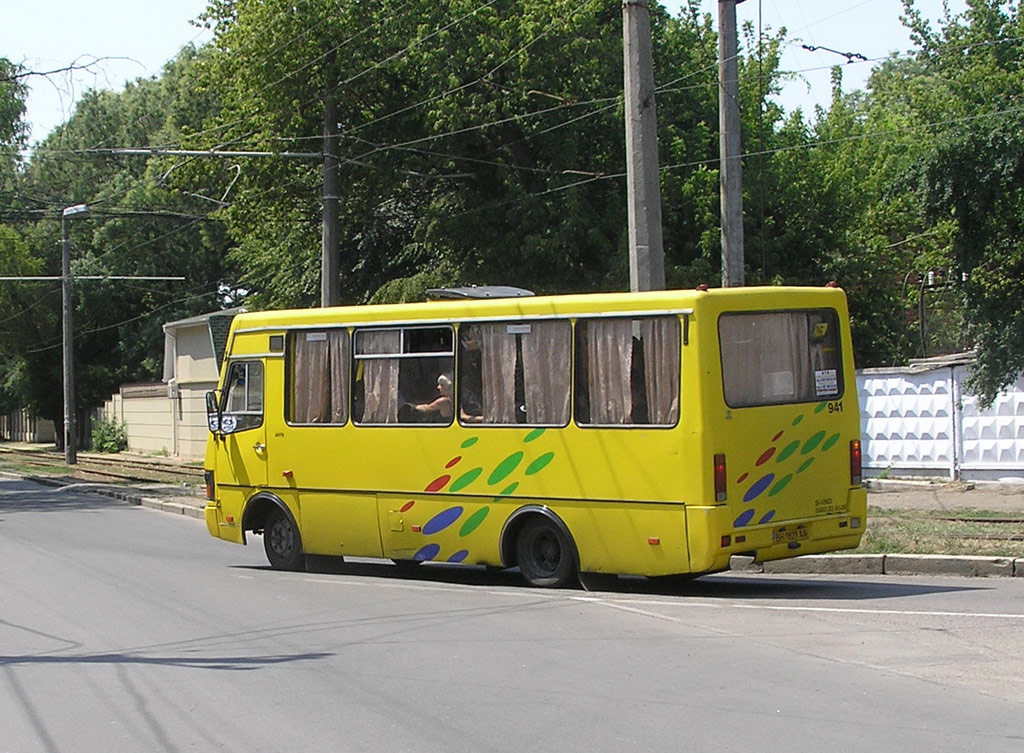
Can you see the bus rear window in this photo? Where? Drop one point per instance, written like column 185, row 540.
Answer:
column 779, row 357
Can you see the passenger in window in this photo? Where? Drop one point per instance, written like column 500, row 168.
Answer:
column 470, row 377
column 442, row 404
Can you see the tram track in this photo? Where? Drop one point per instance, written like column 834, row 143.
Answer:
column 120, row 469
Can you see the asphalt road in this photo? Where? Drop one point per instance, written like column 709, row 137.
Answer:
column 126, row 629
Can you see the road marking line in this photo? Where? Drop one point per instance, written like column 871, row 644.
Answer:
column 776, row 608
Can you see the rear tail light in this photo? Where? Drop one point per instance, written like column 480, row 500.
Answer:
column 208, row 477
column 720, row 478
column 855, row 463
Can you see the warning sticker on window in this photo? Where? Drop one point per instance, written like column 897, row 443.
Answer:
column 826, row 382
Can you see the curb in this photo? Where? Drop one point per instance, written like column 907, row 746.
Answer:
column 130, row 496
column 963, row 566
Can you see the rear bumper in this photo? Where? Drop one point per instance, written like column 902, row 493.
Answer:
column 776, row 540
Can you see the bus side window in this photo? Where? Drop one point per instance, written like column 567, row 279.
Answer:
column 627, row 371
column 318, row 366
column 515, row 373
column 400, row 374
column 243, row 401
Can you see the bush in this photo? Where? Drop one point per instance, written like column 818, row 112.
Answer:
column 109, row 436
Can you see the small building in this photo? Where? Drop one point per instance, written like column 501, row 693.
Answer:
column 169, row 417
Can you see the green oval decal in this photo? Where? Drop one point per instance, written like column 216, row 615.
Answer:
column 505, row 467
column 813, row 442
column 465, row 479
column 781, row 484
column 820, row 407
column 539, row 464
column 535, row 434
column 509, row 489
column 474, row 521
column 798, row 419
column 805, row 465
column 469, row 442
column 830, row 442
column 788, row 450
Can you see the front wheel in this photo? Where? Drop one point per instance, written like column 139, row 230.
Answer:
column 282, row 543
column 545, row 554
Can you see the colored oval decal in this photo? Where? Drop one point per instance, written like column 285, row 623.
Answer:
column 798, row 419
column 454, row 461
column 466, row 479
column 745, row 517
column 759, row 486
column 509, row 489
column 459, row 555
column 474, row 521
column 469, row 442
column 535, row 434
column 788, row 450
column 776, row 437
column 813, row 442
column 504, row 468
column 765, row 456
column 767, row 516
column 742, row 478
column 805, row 465
column 438, row 483
column 782, row 484
column 820, row 407
column 829, row 443
column 442, row 520
column 407, row 506
column 427, row 553
column 540, row 463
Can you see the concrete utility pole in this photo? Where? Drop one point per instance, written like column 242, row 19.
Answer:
column 67, row 352
column 730, row 173
column 330, row 262
column 646, row 254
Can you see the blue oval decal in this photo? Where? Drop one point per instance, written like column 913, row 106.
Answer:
column 442, row 520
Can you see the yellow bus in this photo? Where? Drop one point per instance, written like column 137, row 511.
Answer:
column 631, row 433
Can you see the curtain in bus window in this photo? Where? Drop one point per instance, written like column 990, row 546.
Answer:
column 609, row 363
column 546, row 372
column 498, row 373
column 661, row 360
column 320, row 377
column 380, row 376
column 310, row 378
column 765, row 358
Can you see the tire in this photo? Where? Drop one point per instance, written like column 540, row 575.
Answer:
column 282, row 543
column 545, row 554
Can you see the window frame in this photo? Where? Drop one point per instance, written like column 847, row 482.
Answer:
column 633, row 317
column 402, row 354
column 560, row 320
column 247, row 363
column 834, row 321
column 289, row 371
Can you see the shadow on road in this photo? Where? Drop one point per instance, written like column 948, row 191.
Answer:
column 236, row 663
column 720, row 586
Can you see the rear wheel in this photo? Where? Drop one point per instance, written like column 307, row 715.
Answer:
column 545, row 554
column 282, row 543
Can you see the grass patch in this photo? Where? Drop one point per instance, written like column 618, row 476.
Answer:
column 931, row 532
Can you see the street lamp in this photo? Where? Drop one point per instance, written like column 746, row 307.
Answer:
column 78, row 211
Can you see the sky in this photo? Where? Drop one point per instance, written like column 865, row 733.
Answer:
column 133, row 39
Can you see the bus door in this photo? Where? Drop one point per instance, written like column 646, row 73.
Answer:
column 241, row 442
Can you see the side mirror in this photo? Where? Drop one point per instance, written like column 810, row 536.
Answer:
column 213, row 414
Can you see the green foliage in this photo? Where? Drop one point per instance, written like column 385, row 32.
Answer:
column 109, row 436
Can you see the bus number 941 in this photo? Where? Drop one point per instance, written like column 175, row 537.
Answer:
column 835, row 407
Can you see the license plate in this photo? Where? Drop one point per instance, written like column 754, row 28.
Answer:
column 788, row 535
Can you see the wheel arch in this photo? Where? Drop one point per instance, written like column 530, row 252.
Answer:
column 514, row 524
column 258, row 507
